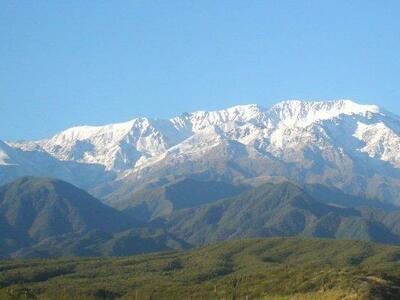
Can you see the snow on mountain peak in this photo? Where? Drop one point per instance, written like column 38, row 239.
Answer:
column 304, row 113
column 104, row 145
column 3, row 154
column 348, row 145
column 122, row 146
column 200, row 120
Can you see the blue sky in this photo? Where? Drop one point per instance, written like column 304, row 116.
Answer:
column 66, row 63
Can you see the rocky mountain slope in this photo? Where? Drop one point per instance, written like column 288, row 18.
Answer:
column 341, row 144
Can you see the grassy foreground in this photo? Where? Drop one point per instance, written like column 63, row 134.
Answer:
column 274, row 268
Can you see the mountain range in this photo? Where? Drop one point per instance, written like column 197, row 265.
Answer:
column 312, row 169
column 43, row 217
column 340, row 144
column 282, row 209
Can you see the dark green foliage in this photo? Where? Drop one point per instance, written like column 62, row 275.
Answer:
column 274, row 268
column 280, row 210
column 150, row 204
column 42, row 207
column 97, row 243
column 42, row 217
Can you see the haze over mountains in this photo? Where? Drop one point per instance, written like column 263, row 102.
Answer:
column 341, row 144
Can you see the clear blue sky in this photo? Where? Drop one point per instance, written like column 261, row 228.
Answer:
column 65, row 63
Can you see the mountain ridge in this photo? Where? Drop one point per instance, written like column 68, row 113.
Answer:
column 286, row 111
column 282, row 209
column 345, row 145
column 43, row 217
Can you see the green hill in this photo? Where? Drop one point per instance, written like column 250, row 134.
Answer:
column 42, row 217
column 274, row 268
column 160, row 202
column 281, row 209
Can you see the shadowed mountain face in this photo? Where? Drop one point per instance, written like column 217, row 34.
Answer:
column 278, row 210
column 50, row 211
column 41, row 217
column 152, row 203
column 100, row 243
column 331, row 195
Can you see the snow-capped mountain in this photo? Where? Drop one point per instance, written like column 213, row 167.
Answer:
column 126, row 145
column 30, row 159
column 339, row 143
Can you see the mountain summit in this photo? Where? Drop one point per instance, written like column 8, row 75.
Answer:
column 349, row 146
column 302, row 113
column 123, row 145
